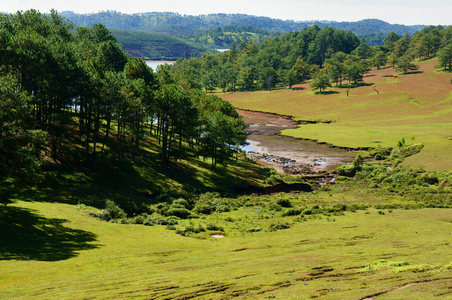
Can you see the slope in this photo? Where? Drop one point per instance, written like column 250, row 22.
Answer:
column 415, row 106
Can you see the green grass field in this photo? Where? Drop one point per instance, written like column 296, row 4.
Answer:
column 416, row 107
column 384, row 234
column 55, row 251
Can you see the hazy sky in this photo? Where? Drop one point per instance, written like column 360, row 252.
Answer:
column 409, row 12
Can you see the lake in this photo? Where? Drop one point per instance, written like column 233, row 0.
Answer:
column 155, row 63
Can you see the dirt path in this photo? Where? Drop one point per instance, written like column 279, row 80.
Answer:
column 285, row 154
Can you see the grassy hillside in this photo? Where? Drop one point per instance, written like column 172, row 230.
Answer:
column 51, row 250
column 416, row 107
column 156, row 46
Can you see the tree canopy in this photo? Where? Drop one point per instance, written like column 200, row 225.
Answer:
column 77, row 97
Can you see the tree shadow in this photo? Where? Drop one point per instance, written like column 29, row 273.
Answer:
column 354, row 85
column 25, row 235
column 298, row 88
column 412, row 72
column 326, row 93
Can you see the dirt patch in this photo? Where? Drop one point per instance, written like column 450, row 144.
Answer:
column 218, row 236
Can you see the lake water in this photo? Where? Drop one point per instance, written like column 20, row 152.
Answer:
column 155, row 63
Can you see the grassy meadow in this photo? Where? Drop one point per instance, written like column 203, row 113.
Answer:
column 59, row 251
column 385, row 233
column 416, row 107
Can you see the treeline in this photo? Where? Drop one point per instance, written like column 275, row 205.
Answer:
column 77, row 97
column 186, row 26
column 288, row 59
column 325, row 55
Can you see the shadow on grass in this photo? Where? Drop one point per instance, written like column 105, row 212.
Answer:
column 411, row 72
column 353, row 85
column 326, row 93
column 24, row 235
column 298, row 88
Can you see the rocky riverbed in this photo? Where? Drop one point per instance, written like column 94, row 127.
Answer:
column 286, row 154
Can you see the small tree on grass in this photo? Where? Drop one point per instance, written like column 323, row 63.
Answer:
column 321, row 82
column 405, row 64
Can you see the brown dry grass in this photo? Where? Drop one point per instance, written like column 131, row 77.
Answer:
column 414, row 106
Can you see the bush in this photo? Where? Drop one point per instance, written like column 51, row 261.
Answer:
column 357, row 206
column 182, row 213
column 140, row 219
column 214, row 227
column 274, row 179
column 112, row 211
column 274, row 206
column 284, row 202
column 307, row 211
column 346, row 170
column 380, row 153
column 254, row 229
column 190, row 230
column 203, row 208
column 162, row 208
column 160, row 221
column 223, row 208
column 149, row 221
column 402, row 151
column 292, row 212
column 279, row 226
column 182, row 203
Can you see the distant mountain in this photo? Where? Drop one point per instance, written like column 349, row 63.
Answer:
column 174, row 23
column 212, row 29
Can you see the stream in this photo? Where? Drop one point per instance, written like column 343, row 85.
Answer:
column 286, row 154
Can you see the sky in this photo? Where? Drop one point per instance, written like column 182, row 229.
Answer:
column 407, row 12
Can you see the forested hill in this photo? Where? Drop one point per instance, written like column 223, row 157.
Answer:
column 147, row 45
column 176, row 24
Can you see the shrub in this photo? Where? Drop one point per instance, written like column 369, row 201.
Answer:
column 357, row 206
column 203, row 208
column 284, row 202
column 190, row 229
column 346, row 170
column 182, row 213
column 140, row 219
column 292, row 212
column 274, row 179
column 162, row 208
column 214, row 227
column 149, row 221
column 112, row 211
column 380, row 153
column 428, row 178
column 279, row 226
column 161, row 221
column 307, row 211
column 223, row 208
column 182, row 203
column 274, row 206
column 402, row 151
column 358, row 162
column 165, row 197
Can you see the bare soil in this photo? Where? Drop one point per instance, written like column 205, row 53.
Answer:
column 286, row 154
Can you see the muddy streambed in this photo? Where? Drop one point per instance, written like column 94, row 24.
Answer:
column 286, row 154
